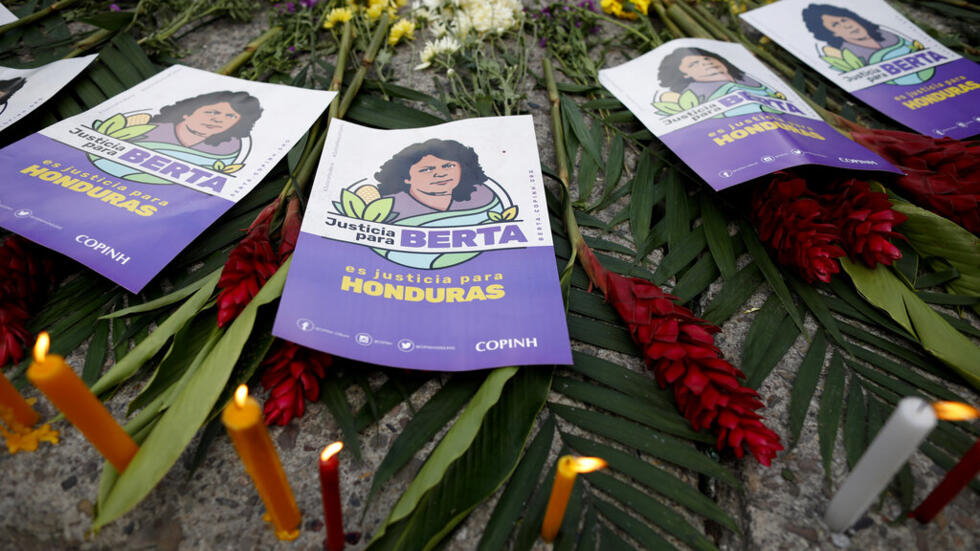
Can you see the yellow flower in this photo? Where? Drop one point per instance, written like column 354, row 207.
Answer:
column 615, row 7
column 375, row 10
column 403, row 28
column 641, row 5
column 337, row 15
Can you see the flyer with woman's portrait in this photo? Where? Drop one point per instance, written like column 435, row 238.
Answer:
column 125, row 186
column 726, row 115
column 428, row 248
column 24, row 90
column 873, row 52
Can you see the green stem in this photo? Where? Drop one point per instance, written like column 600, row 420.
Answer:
column 311, row 156
column 672, row 27
column 961, row 4
column 366, row 62
column 40, row 14
column 684, row 21
column 618, row 23
column 708, row 21
column 90, row 42
column 561, row 157
column 249, row 51
column 338, row 71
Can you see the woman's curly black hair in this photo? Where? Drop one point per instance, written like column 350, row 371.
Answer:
column 394, row 172
column 813, row 17
column 672, row 78
column 243, row 103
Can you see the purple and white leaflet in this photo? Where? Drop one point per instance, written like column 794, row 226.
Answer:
column 869, row 49
column 125, row 186
column 24, row 90
column 428, row 248
column 726, row 115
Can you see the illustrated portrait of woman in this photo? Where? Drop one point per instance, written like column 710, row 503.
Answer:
column 437, row 179
column 436, row 183
column 695, row 76
column 210, row 130
column 7, row 89
column 852, row 42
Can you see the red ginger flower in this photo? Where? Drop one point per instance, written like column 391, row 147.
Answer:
column 292, row 376
column 250, row 264
column 14, row 336
column 792, row 223
column 680, row 350
column 26, row 274
column 942, row 175
column 290, row 229
column 865, row 219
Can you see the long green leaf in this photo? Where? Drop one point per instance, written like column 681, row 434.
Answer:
column 855, row 424
column 634, row 409
column 189, row 410
column 333, row 396
column 653, row 478
column 629, row 525
column 166, row 300
column 716, row 232
column 451, row 447
column 488, row 459
column 771, row 272
column 645, row 440
column 571, row 112
column 805, row 385
column 433, row 416
column 831, row 405
column 654, row 511
column 883, row 289
column 518, row 491
column 149, row 346
column 642, row 199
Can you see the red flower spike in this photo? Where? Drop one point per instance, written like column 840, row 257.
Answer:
column 791, row 222
column 942, row 175
column 704, row 384
column 292, row 376
column 26, row 275
column 290, row 229
column 865, row 219
column 250, row 264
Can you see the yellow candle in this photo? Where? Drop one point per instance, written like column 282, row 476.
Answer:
column 11, row 399
column 243, row 419
column 56, row 379
column 568, row 468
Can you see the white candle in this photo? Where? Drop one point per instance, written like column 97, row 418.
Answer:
column 907, row 427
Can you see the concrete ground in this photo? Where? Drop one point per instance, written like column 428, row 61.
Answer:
column 46, row 499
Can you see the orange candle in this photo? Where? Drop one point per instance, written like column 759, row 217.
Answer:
column 243, row 419
column 11, row 399
column 568, row 468
column 56, row 379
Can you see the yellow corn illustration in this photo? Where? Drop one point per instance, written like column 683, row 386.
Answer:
column 368, row 193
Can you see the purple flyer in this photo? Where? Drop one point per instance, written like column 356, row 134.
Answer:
column 873, row 52
column 726, row 115
column 428, row 249
column 24, row 90
column 125, row 186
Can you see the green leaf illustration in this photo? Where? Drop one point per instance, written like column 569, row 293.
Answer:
column 688, row 100
column 131, row 132
column 853, row 61
column 379, row 209
column 353, row 205
column 837, row 63
column 113, row 124
column 668, row 107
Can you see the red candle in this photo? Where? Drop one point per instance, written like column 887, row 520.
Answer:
column 330, row 489
column 957, row 478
